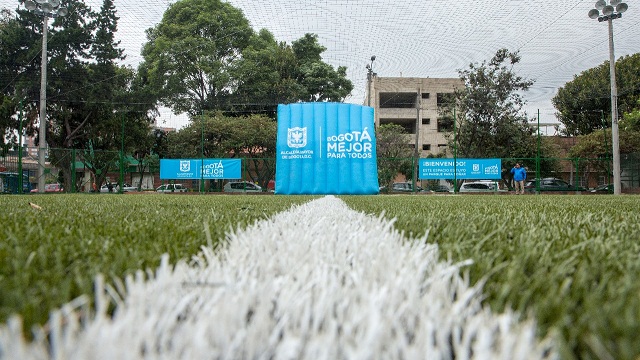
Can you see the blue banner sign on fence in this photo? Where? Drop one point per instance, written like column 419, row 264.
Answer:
column 194, row 169
column 326, row 148
column 463, row 169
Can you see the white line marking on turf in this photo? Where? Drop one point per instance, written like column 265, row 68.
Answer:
column 319, row 281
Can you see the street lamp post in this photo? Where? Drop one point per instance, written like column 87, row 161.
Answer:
column 46, row 9
column 370, row 75
column 610, row 12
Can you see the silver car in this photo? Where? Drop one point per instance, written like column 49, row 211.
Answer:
column 241, row 186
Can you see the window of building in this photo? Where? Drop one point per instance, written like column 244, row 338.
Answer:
column 397, row 100
column 584, row 182
column 442, row 146
column 426, row 121
column 425, row 95
column 445, row 99
column 602, row 180
column 426, row 147
column 409, row 125
column 445, row 124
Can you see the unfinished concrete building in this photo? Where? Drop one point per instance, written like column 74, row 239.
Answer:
column 413, row 104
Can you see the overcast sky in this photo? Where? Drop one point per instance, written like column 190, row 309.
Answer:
column 425, row 38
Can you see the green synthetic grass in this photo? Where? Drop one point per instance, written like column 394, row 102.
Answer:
column 573, row 262
column 49, row 257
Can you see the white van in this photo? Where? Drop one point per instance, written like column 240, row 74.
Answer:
column 170, row 188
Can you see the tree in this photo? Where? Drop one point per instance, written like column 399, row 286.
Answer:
column 270, row 73
column 265, row 76
column 631, row 120
column 585, row 101
column 148, row 151
column 204, row 56
column 189, row 54
column 255, row 141
column 14, row 53
column 86, row 88
column 595, row 147
column 394, row 156
column 321, row 81
column 488, row 112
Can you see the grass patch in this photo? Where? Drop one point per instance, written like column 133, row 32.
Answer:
column 49, row 257
column 571, row 261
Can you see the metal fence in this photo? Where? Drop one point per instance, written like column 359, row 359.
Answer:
column 93, row 171
column 581, row 173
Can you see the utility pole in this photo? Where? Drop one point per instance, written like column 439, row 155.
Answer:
column 416, row 152
column 46, row 9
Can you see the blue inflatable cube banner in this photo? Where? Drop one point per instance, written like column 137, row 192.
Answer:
column 326, row 148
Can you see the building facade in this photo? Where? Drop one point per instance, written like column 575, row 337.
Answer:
column 413, row 104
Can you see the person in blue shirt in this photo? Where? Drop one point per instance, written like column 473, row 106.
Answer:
column 519, row 176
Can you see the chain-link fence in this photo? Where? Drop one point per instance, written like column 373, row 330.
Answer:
column 543, row 174
column 90, row 171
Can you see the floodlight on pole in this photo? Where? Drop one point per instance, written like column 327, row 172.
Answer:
column 46, row 9
column 610, row 12
column 370, row 75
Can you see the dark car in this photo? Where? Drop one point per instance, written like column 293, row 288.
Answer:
column 551, row 184
column 441, row 188
column 404, row 187
column 603, row 189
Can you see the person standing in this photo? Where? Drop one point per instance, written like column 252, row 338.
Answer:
column 519, row 176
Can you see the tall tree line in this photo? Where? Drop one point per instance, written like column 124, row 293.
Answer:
column 203, row 56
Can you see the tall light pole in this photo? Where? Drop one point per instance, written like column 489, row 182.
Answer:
column 610, row 12
column 370, row 75
column 46, row 9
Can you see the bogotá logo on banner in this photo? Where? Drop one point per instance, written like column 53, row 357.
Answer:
column 492, row 170
column 354, row 145
column 297, row 137
column 214, row 170
column 185, row 165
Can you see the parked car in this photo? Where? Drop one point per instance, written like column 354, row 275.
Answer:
column 241, row 186
column 441, row 189
column 127, row 187
column 405, row 187
column 51, row 188
column 115, row 187
column 551, row 184
column 603, row 189
column 399, row 187
column 477, row 187
column 105, row 188
column 170, row 188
